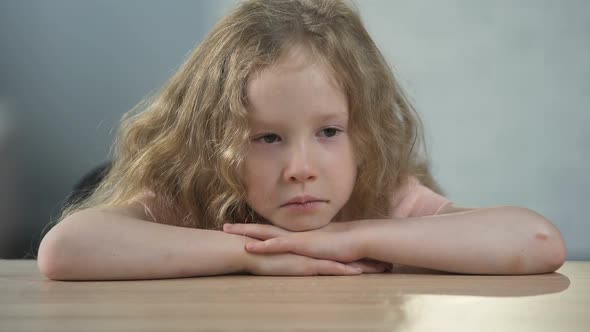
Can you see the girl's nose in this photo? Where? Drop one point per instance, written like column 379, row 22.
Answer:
column 300, row 165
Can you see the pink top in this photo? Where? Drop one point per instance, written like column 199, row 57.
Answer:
column 411, row 200
column 416, row 200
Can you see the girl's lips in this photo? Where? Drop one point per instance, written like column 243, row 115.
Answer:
column 304, row 207
column 303, row 199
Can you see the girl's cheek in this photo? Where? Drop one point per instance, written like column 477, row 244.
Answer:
column 262, row 149
column 338, row 147
column 258, row 162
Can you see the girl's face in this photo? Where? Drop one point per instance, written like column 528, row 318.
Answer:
column 299, row 145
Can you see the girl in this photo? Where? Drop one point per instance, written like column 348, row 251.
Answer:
column 287, row 125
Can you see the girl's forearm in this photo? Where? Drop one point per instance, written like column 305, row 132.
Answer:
column 97, row 245
column 498, row 240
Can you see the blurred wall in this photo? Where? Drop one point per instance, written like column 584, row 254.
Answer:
column 68, row 71
column 504, row 91
column 502, row 87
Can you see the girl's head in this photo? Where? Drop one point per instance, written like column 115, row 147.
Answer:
column 300, row 144
column 283, row 98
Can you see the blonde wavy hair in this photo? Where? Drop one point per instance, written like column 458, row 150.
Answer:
column 187, row 142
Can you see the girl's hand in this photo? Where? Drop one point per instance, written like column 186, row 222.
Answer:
column 295, row 265
column 336, row 242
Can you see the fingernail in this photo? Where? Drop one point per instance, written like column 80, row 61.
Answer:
column 250, row 246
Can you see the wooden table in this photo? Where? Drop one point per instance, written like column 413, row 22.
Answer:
column 407, row 300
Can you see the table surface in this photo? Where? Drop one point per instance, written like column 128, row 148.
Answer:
column 406, row 300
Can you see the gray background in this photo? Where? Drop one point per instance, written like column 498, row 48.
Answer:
column 502, row 87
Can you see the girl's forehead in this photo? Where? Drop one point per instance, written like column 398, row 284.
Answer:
column 298, row 81
column 279, row 96
column 289, row 77
column 298, row 57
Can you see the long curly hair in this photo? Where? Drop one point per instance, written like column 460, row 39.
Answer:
column 187, row 142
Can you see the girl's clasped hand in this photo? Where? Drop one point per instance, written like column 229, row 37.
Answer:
column 336, row 248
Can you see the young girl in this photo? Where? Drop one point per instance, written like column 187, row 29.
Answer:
column 283, row 146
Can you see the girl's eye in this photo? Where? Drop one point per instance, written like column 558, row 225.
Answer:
column 269, row 138
column 332, row 131
column 272, row 138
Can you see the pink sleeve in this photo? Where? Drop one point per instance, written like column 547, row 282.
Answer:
column 416, row 200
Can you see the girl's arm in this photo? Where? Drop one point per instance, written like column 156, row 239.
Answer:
column 496, row 240
column 110, row 245
column 117, row 244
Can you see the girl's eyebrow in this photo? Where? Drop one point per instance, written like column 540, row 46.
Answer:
column 319, row 117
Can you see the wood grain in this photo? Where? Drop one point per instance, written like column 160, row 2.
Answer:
column 408, row 299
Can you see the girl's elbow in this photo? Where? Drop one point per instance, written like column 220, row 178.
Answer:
column 48, row 260
column 552, row 245
column 52, row 258
column 550, row 251
column 558, row 253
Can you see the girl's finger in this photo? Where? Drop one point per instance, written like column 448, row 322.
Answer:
column 274, row 245
column 327, row 267
column 257, row 231
column 369, row 266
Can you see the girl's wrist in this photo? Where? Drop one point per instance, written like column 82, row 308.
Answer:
column 362, row 233
column 244, row 261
